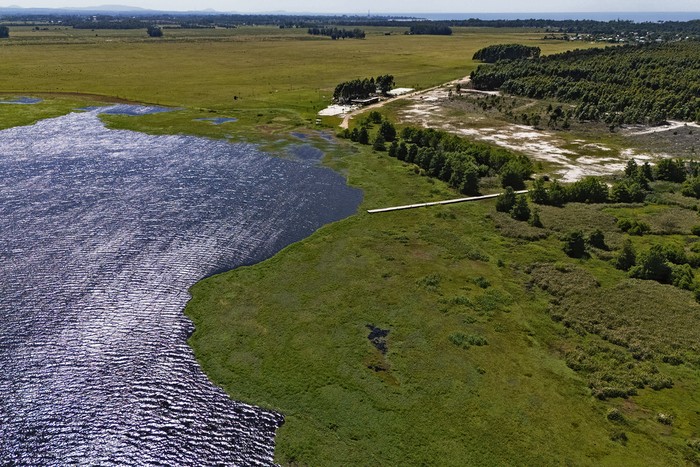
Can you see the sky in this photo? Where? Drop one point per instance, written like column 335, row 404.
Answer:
column 382, row 6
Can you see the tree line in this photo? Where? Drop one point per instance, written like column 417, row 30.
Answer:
column 335, row 33
column 494, row 53
column 362, row 88
column 430, row 28
column 458, row 162
column 627, row 84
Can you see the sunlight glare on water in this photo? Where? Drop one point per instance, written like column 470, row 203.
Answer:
column 101, row 234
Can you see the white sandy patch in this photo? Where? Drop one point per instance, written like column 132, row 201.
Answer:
column 333, row 110
column 477, row 91
column 597, row 146
column 632, row 154
column 672, row 125
column 399, row 91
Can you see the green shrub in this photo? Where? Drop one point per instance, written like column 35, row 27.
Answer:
column 639, row 229
column 671, row 170
column 538, row 193
column 597, row 239
column 520, row 211
column 476, row 340
column 658, row 383
column 615, row 415
column 461, row 340
column 574, row 244
column 482, row 282
column 651, row 265
column 682, row 276
column 506, row 200
column 379, row 143
column 430, row 282
column 619, row 437
column 624, row 224
column 513, row 174
column 610, row 392
column 675, row 254
column 557, row 194
column 627, row 257
column 695, row 230
column 691, row 187
column 627, row 191
column 664, row 418
column 633, row 227
column 588, row 190
column 535, row 220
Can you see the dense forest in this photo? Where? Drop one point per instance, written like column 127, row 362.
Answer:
column 494, row 53
column 626, row 84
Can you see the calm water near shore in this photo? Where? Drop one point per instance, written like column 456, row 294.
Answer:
column 101, row 234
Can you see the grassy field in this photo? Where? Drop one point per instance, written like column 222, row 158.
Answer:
column 477, row 366
column 292, row 334
column 262, row 69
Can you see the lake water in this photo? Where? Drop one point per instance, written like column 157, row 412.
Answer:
column 101, row 234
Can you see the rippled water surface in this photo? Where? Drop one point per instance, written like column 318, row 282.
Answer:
column 101, row 234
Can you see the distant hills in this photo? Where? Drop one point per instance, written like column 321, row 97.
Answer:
column 102, row 9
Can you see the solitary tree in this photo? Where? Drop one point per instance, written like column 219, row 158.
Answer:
column 4, row 32
column 627, row 257
column 520, row 211
column 154, row 31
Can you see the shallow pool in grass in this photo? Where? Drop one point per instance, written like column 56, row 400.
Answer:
column 103, row 231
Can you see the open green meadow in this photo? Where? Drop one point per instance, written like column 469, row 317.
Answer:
column 451, row 335
column 243, row 69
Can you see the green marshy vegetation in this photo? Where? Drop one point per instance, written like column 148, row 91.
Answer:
column 500, row 348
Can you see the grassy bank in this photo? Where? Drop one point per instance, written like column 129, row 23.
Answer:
column 474, row 370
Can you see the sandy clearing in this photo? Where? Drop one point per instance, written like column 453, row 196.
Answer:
column 333, row 110
column 424, row 92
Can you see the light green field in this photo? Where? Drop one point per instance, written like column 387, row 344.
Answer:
column 266, row 68
column 290, row 334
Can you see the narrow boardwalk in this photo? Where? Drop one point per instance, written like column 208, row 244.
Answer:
column 436, row 203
